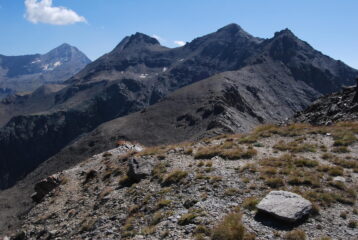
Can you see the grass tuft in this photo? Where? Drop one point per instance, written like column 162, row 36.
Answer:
column 174, row 177
column 296, row 234
column 230, row 228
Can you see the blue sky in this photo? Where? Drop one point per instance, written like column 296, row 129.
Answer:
column 96, row 26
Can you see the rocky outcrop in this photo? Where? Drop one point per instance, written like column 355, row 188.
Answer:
column 139, row 168
column 355, row 98
column 339, row 106
column 45, row 186
column 285, row 206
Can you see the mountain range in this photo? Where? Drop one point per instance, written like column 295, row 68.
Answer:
column 225, row 82
column 23, row 74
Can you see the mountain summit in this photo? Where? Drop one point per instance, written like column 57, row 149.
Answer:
column 26, row 73
column 139, row 38
column 234, row 29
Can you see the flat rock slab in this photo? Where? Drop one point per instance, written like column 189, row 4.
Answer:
column 286, row 206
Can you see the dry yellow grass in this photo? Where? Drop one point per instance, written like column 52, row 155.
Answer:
column 230, row 228
column 174, row 177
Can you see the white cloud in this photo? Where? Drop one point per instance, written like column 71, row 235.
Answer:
column 42, row 11
column 159, row 38
column 180, row 43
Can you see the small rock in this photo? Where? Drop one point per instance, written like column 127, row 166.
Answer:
column 19, row 236
column 339, row 179
column 189, row 203
column 285, row 205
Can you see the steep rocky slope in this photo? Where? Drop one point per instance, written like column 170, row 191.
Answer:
column 26, row 73
column 183, row 191
column 305, row 63
column 230, row 102
column 25, row 104
column 139, row 72
column 339, row 106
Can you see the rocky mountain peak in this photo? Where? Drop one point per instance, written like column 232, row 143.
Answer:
column 285, row 32
column 137, row 40
column 229, row 38
column 67, row 51
column 141, row 39
column 232, row 27
column 234, row 30
column 65, row 46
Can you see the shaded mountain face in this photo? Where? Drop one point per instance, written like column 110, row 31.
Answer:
column 139, row 72
column 26, row 73
column 230, row 102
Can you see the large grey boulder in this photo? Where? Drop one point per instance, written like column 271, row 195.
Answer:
column 286, row 206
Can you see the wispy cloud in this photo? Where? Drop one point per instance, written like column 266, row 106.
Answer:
column 159, row 38
column 42, row 11
column 162, row 40
column 179, row 43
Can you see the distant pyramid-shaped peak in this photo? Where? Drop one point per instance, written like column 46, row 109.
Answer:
column 232, row 27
